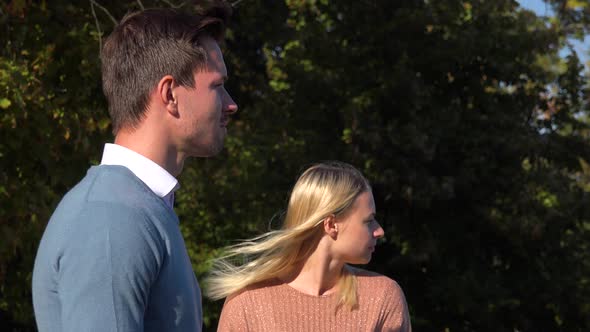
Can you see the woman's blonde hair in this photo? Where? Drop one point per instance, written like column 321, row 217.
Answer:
column 324, row 189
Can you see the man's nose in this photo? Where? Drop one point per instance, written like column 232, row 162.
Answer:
column 230, row 105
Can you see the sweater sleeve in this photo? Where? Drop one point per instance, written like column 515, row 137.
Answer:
column 233, row 316
column 107, row 270
column 397, row 316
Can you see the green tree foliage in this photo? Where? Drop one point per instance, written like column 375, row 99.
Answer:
column 573, row 16
column 51, row 118
column 471, row 128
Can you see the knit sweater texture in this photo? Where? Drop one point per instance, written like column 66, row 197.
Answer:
column 112, row 258
column 273, row 306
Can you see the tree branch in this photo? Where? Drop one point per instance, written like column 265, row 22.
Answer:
column 236, row 3
column 94, row 3
column 97, row 26
column 173, row 5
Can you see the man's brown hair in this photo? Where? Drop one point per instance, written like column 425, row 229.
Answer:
column 147, row 45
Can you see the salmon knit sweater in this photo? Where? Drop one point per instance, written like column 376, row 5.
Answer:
column 274, row 306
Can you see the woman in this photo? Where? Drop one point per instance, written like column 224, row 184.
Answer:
column 298, row 278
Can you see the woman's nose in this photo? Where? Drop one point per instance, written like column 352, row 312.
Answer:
column 379, row 232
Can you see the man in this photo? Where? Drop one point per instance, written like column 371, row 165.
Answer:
column 112, row 257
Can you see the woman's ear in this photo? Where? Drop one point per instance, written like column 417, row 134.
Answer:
column 331, row 226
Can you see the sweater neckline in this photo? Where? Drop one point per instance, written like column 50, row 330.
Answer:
column 297, row 292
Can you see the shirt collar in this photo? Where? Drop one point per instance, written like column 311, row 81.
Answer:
column 153, row 175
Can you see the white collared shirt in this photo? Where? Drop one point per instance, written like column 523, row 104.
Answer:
column 153, row 175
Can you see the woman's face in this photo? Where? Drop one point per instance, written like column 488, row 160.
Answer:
column 358, row 231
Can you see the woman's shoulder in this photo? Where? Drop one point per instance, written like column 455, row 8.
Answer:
column 387, row 294
column 375, row 282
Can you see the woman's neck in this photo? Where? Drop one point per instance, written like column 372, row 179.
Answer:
column 318, row 275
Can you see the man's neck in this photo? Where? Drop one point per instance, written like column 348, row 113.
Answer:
column 153, row 148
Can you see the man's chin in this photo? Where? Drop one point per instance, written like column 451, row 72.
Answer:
column 210, row 151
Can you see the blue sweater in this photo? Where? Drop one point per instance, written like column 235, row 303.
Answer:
column 112, row 258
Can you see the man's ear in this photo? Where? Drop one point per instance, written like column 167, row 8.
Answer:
column 167, row 95
column 331, row 226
